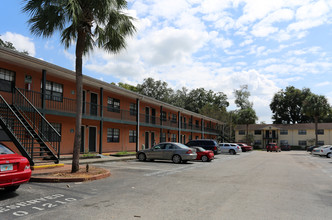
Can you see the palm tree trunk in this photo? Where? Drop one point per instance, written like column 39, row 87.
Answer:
column 316, row 128
column 79, row 90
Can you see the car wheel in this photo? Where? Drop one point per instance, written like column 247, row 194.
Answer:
column 232, row 152
column 176, row 159
column 205, row 158
column 141, row 157
column 11, row 188
column 328, row 155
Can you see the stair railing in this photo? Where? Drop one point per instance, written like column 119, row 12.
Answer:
column 22, row 136
column 38, row 122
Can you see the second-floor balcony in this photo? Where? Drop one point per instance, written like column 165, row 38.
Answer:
column 92, row 110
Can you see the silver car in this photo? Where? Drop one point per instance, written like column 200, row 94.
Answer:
column 230, row 148
column 168, row 151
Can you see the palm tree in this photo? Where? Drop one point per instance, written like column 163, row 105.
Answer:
column 89, row 23
column 316, row 106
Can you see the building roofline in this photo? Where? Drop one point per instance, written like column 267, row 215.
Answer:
column 8, row 55
column 285, row 126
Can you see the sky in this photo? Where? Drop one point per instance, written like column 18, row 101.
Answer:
column 211, row 44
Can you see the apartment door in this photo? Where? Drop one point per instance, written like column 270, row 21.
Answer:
column 147, row 140
column 82, row 139
column 147, row 114
column 153, row 116
column 92, row 139
column 84, row 100
column 93, row 104
column 152, row 139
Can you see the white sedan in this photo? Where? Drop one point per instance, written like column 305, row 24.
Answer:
column 325, row 150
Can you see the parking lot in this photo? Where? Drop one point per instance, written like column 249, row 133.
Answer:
column 290, row 184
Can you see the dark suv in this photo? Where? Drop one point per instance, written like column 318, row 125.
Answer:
column 207, row 144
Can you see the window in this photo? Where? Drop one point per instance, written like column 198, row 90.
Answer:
column 190, row 122
column 49, row 133
column 163, row 137
column 7, row 80
column 133, row 108
column 173, row 118
column 283, row 132
column 113, row 135
column 242, row 132
column 197, row 124
column 173, row 138
column 53, row 91
column 132, row 136
column 303, row 143
column 320, row 143
column 258, row 132
column 113, row 105
column 320, row 131
column 302, row 132
column 283, row 142
column 190, row 137
column 163, row 116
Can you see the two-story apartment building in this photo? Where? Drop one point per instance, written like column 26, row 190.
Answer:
column 114, row 119
column 288, row 134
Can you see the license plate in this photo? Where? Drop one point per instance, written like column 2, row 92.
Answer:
column 6, row 167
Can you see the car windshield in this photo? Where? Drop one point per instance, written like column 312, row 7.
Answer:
column 200, row 149
column 181, row 145
column 5, row 150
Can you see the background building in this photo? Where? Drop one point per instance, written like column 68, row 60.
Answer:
column 301, row 135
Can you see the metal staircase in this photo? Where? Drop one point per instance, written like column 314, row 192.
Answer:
column 32, row 134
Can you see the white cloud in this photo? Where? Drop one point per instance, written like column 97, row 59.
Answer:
column 20, row 42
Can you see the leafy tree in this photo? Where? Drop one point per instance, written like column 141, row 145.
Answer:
column 287, row 105
column 198, row 98
column 127, row 86
column 180, row 98
column 247, row 116
column 10, row 45
column 242, row 97
column 86, row 23
column 316, row 106
column 155, row 89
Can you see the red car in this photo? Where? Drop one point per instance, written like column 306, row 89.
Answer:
column 245, row 147
column 272, row 147
column 14, row 169
column 204, row 155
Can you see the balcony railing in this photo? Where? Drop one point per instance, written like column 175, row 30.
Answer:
column 90, row 109
column 271, row 136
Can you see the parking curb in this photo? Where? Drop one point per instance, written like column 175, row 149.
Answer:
column 46, row 166
column 48, row 179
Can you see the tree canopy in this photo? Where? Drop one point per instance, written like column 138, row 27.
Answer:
column 197, row 100
column 287, row 105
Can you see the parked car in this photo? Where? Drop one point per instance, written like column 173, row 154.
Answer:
column 325, row 150
column 311, row 148
column 207, row 144
column 204, row 155
column 176, row 152
column 316, row 150
column 14, row 169
column 272, row 147
column 230, row 148
column 245, row 147
column 285, row 147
